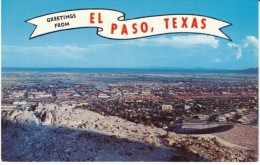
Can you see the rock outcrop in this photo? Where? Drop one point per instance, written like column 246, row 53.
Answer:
column 67, row 134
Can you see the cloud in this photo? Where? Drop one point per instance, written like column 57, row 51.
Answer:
column 250, row 43
column 69, row 51
column 251, row 40
column 216, row 60
column 76, row 52
column 232, row 45
column 179, row 41
column 65, row 50
column 239, row 49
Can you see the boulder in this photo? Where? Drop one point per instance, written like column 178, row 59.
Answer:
column 26, row 118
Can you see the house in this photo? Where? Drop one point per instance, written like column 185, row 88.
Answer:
column 103, row 96
column 221, row 119
column 202, row 117
column 21, row 103
column 166, row 107
column 229, row 116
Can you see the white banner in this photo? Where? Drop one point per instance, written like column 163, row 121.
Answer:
column 112, row 24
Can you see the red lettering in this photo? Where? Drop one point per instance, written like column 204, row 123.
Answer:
column 92, row 17
column 134, row 27
column 184, row 22
column 124, row 30
column 174, row 23
column 113, row 27
column 166, row 22
column 194, row 23
column 99, row 18
column 203, row 23
column 144, row 27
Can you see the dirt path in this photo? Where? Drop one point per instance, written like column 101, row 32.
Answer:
column 241, row 135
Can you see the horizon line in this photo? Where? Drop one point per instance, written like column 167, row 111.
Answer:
column 152, row 67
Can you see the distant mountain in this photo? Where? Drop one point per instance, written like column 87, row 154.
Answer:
column 144, row 69
column 249, row 70
column 183, row 68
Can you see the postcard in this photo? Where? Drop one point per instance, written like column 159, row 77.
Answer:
column 129, row 81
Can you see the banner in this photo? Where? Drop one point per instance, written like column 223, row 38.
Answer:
column 112, row 24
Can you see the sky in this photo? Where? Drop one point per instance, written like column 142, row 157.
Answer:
column 82, row 48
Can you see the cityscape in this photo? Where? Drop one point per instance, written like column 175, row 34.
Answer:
column 129, row 81
column 180, row 105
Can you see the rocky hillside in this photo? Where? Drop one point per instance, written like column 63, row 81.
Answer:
column 63, row 133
